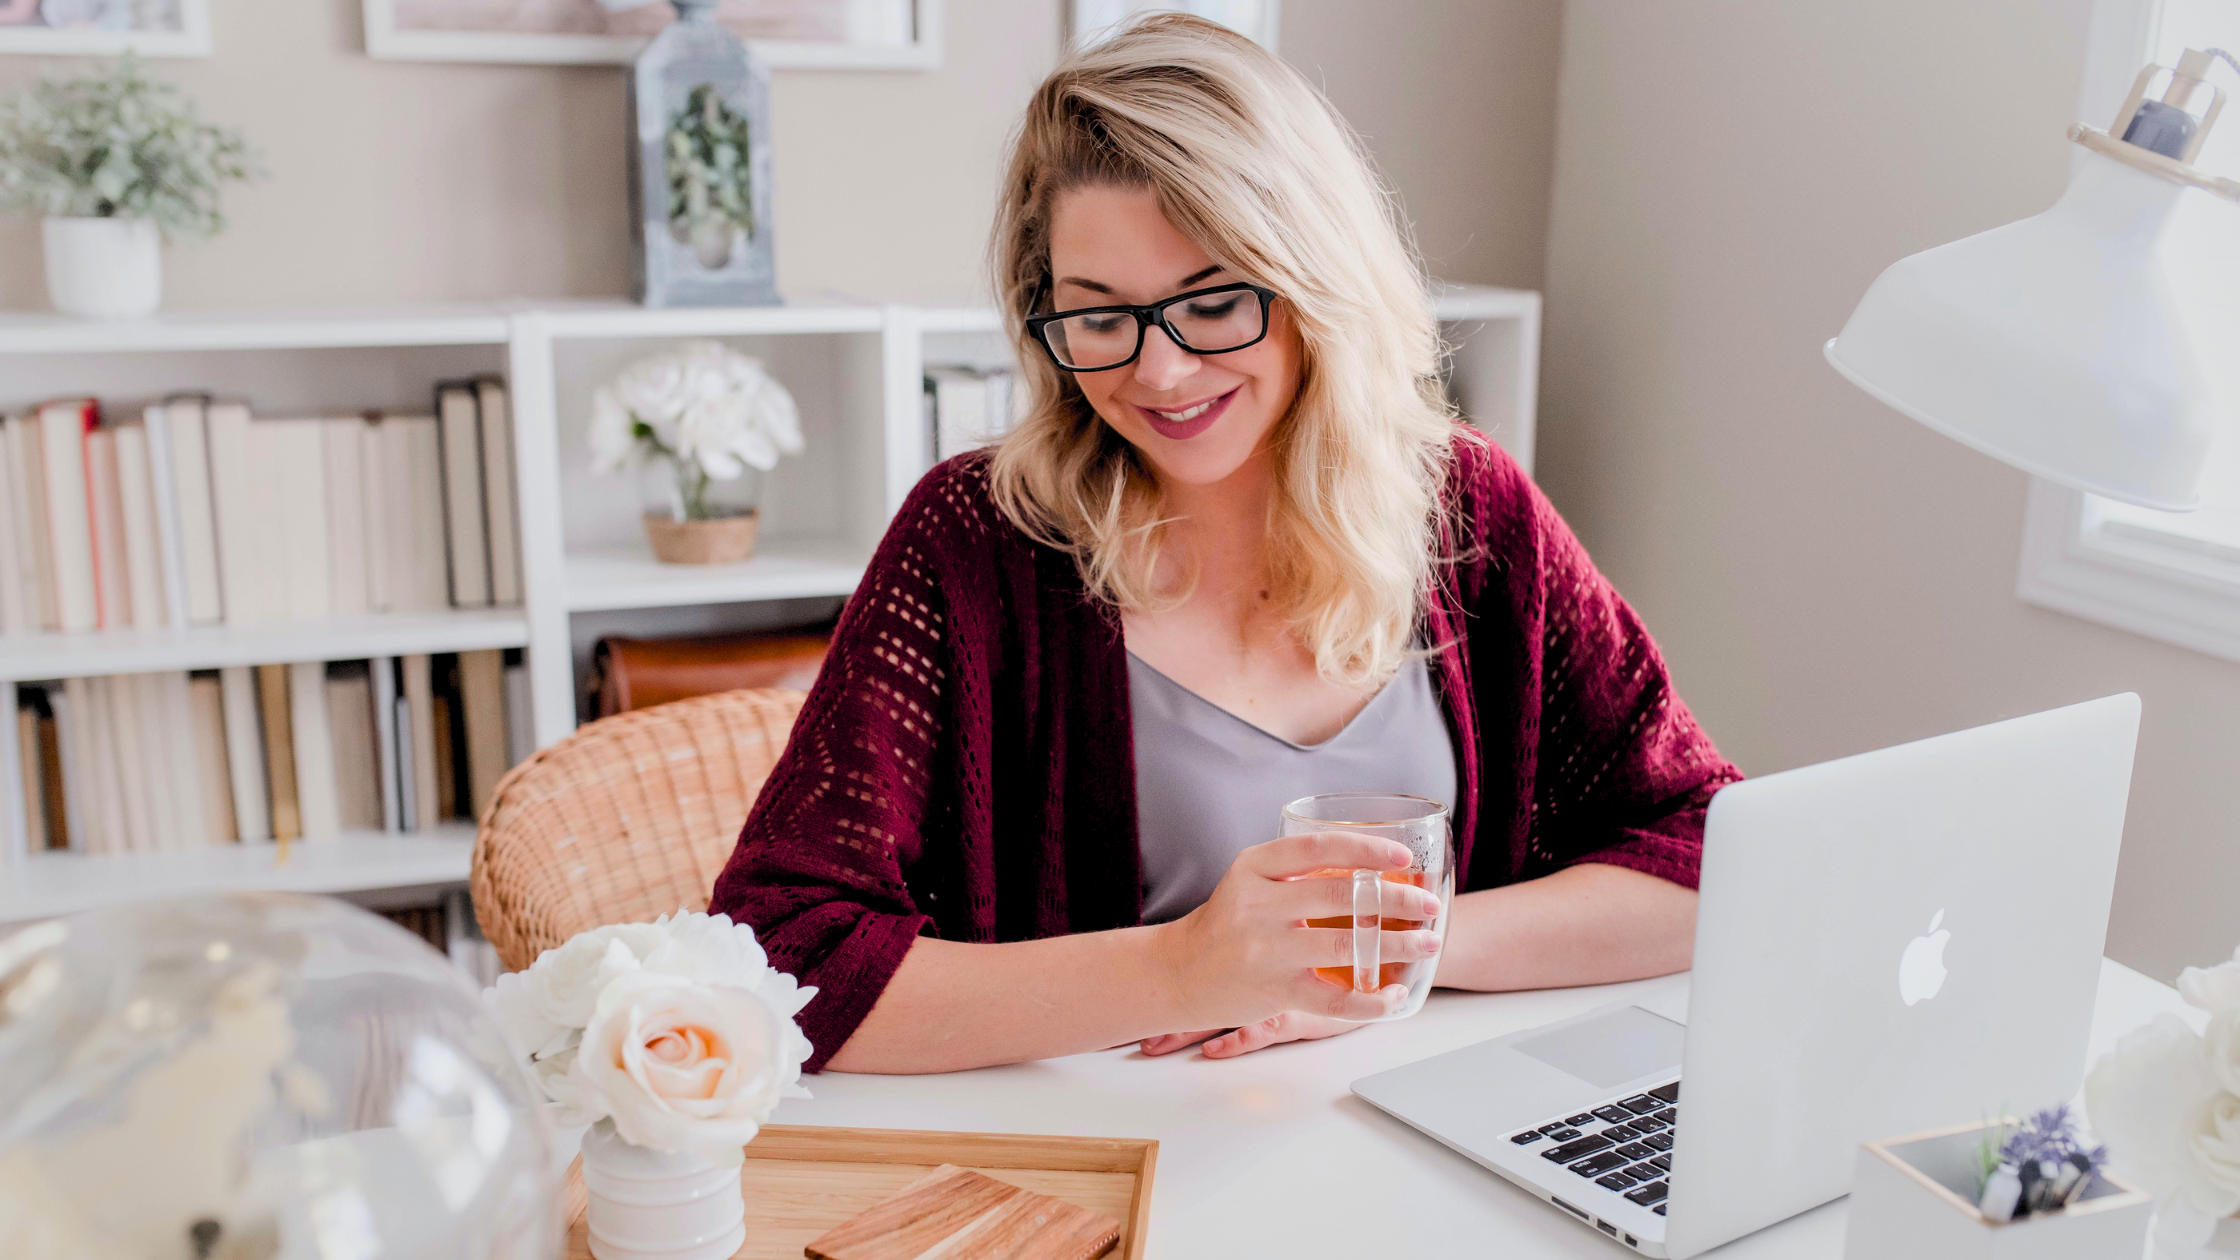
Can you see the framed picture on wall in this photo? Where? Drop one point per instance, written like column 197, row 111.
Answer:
column 1089, row 20
column 104, row 28
column 786, row 34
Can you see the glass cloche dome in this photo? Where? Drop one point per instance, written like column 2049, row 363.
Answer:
column 258, row 1076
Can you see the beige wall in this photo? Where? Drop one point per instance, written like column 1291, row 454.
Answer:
column 416, row 182
column 1825, row 575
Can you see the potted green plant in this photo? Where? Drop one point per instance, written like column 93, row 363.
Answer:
column 115, row 164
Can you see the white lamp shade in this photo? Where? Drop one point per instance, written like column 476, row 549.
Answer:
column 2053, row 344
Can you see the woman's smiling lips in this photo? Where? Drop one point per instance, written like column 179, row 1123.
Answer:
column 1184, row 423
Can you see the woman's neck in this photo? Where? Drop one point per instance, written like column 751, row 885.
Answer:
column 1220, row 531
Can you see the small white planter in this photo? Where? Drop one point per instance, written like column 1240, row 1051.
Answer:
column 104, row 268
column 644, row 1204
column 1913, row 1199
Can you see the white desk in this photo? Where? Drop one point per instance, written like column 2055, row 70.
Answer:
column 1271, row 1155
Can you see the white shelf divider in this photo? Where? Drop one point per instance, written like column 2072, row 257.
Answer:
column 88, row 653
column 51, row 884
column 781, row 568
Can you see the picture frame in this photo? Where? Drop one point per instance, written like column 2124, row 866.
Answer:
column 1256, row 20
column 879, row 35
column 183, row 32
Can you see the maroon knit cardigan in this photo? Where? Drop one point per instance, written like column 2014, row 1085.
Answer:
column 964, row 766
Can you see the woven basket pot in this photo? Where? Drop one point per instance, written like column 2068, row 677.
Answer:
column 724, row 541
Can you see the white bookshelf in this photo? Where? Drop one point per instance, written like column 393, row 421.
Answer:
column 855, row 371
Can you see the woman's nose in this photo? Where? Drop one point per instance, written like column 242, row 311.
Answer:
column 1163, row 364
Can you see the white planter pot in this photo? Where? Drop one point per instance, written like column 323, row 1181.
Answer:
column 657, row 1205
column 104, row 268
column 1912, row 1198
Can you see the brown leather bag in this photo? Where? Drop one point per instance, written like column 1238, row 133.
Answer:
column 631, row 674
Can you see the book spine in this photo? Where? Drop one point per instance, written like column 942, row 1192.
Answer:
column 407, row 797
column 148, row 767
column 304, row 545
column 34, row 777
column 143, row 562
column 373, row 492
column 237, row 496
column 191, row 814
column 55, row 790
column 497, row 468
column 35, row 554
column 118, row 763
column 252, row 814
column 463, row 511
column 105, row 510
column 419, row 695
column 213, row 761
column 521, row 735
column 73, row 719
column 482, row 703
column 346, row 517
column 189, row 432
column 316, row 795
column 384, row 670
column 163, row 483
column 279, row 751
column 17, row 615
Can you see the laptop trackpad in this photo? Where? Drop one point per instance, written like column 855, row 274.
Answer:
column 1611, row 1048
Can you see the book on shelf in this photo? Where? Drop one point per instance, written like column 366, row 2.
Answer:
column 197, row 512
column 175, row 761
column 968, row 407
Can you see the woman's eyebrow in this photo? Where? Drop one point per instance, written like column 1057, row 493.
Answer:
column 1106, row 289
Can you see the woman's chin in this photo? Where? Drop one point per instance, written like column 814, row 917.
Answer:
column 1186, row 465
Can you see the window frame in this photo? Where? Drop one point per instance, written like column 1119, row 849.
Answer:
column 2164, row 585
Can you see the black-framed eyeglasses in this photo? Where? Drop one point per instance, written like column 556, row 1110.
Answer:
column 1203, row 321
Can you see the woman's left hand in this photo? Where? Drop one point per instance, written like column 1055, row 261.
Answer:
column 1228, row 1044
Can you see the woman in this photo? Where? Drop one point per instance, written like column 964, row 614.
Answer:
column 1239, row 545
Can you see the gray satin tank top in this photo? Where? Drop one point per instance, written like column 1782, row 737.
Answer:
column 1209, row 783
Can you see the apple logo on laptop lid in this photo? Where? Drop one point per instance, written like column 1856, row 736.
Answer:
column 1921, row 969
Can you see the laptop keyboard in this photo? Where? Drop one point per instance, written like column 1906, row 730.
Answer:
column 1624, row 1146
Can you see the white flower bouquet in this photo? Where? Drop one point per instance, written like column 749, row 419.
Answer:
column 2167, row 1099
column 676, row 1034
column 706, row 412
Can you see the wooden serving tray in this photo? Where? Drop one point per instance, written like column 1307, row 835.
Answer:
column 801, row 1180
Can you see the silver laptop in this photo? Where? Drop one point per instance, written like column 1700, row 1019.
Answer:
column 1891, row 942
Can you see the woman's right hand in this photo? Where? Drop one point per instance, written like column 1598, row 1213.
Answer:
column 1248, row 954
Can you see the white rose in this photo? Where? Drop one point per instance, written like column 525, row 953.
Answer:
column 2212, row 988
column 2154, row 1098
column 2220, row 1041
column 542, row 1009
column 686, row 1067
column 707, row 949
column 611, row 439
column 655, row 387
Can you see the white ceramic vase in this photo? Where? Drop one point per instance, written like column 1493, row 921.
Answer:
column 659, row 1205
column 104, row 268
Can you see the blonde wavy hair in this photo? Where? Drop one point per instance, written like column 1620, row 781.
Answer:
column 1250, row 162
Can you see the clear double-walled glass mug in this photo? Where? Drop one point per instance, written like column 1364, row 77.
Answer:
column 1415, row 821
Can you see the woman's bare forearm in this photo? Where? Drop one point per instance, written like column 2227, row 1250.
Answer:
column 954, row 1005
column 1587, row 924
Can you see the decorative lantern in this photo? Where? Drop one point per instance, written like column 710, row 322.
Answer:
column 700, row 167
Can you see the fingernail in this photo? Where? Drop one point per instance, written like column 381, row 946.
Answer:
column 1436, row 946
column 1215, row 1044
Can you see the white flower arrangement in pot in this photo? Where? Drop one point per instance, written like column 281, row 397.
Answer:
column 701, row 423
column 673, row 1040
column 2167, row 1099
column 116, row 164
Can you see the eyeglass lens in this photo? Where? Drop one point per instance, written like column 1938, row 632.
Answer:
column 1214, row 322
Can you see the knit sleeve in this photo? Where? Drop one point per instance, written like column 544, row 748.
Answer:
column 1622, row 773
column 819, row 870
